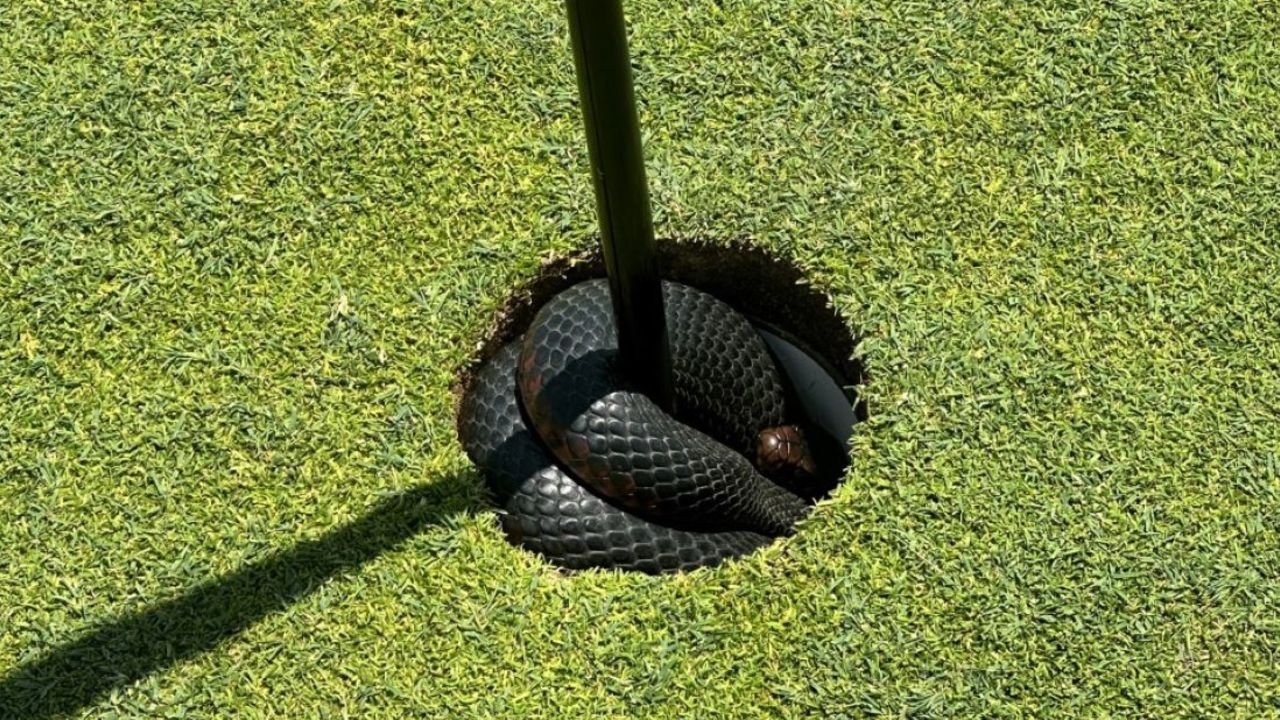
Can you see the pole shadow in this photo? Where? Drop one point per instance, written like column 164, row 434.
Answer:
column 125, row 649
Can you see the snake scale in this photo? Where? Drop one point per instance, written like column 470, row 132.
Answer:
column 588, row 472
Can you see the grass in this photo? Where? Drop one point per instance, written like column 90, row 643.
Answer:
column 245, row 248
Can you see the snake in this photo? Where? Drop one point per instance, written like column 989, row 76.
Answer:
column 589, row 472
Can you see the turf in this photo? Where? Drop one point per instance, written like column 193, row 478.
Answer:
column 246, row 247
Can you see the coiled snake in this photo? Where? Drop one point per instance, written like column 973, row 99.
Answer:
column 590, row 473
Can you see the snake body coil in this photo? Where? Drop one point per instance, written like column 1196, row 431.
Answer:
column 591, row 473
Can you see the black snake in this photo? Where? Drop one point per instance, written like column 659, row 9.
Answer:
column 589, row 472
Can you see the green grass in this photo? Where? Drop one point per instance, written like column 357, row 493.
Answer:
column 246, row 246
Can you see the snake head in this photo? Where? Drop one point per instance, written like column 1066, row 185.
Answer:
column 782, row 452
column 808, row 465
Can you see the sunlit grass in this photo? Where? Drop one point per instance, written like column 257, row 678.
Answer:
column 245, row 248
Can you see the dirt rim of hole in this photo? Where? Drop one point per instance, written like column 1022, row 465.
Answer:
column 768, row 289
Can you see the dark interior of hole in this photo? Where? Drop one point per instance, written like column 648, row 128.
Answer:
column 813, row 346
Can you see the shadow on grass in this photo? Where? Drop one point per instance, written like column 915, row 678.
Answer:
column 121, row 651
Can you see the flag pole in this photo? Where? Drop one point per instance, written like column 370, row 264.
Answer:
column 598, row 33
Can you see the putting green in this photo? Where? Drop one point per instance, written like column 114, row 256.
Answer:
column 246, row 248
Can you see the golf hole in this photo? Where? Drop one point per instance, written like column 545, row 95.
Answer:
column 813, row 346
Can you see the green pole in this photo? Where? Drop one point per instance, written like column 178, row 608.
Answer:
column 598, row 33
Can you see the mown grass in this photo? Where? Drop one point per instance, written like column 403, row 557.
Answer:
column 245, row 247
